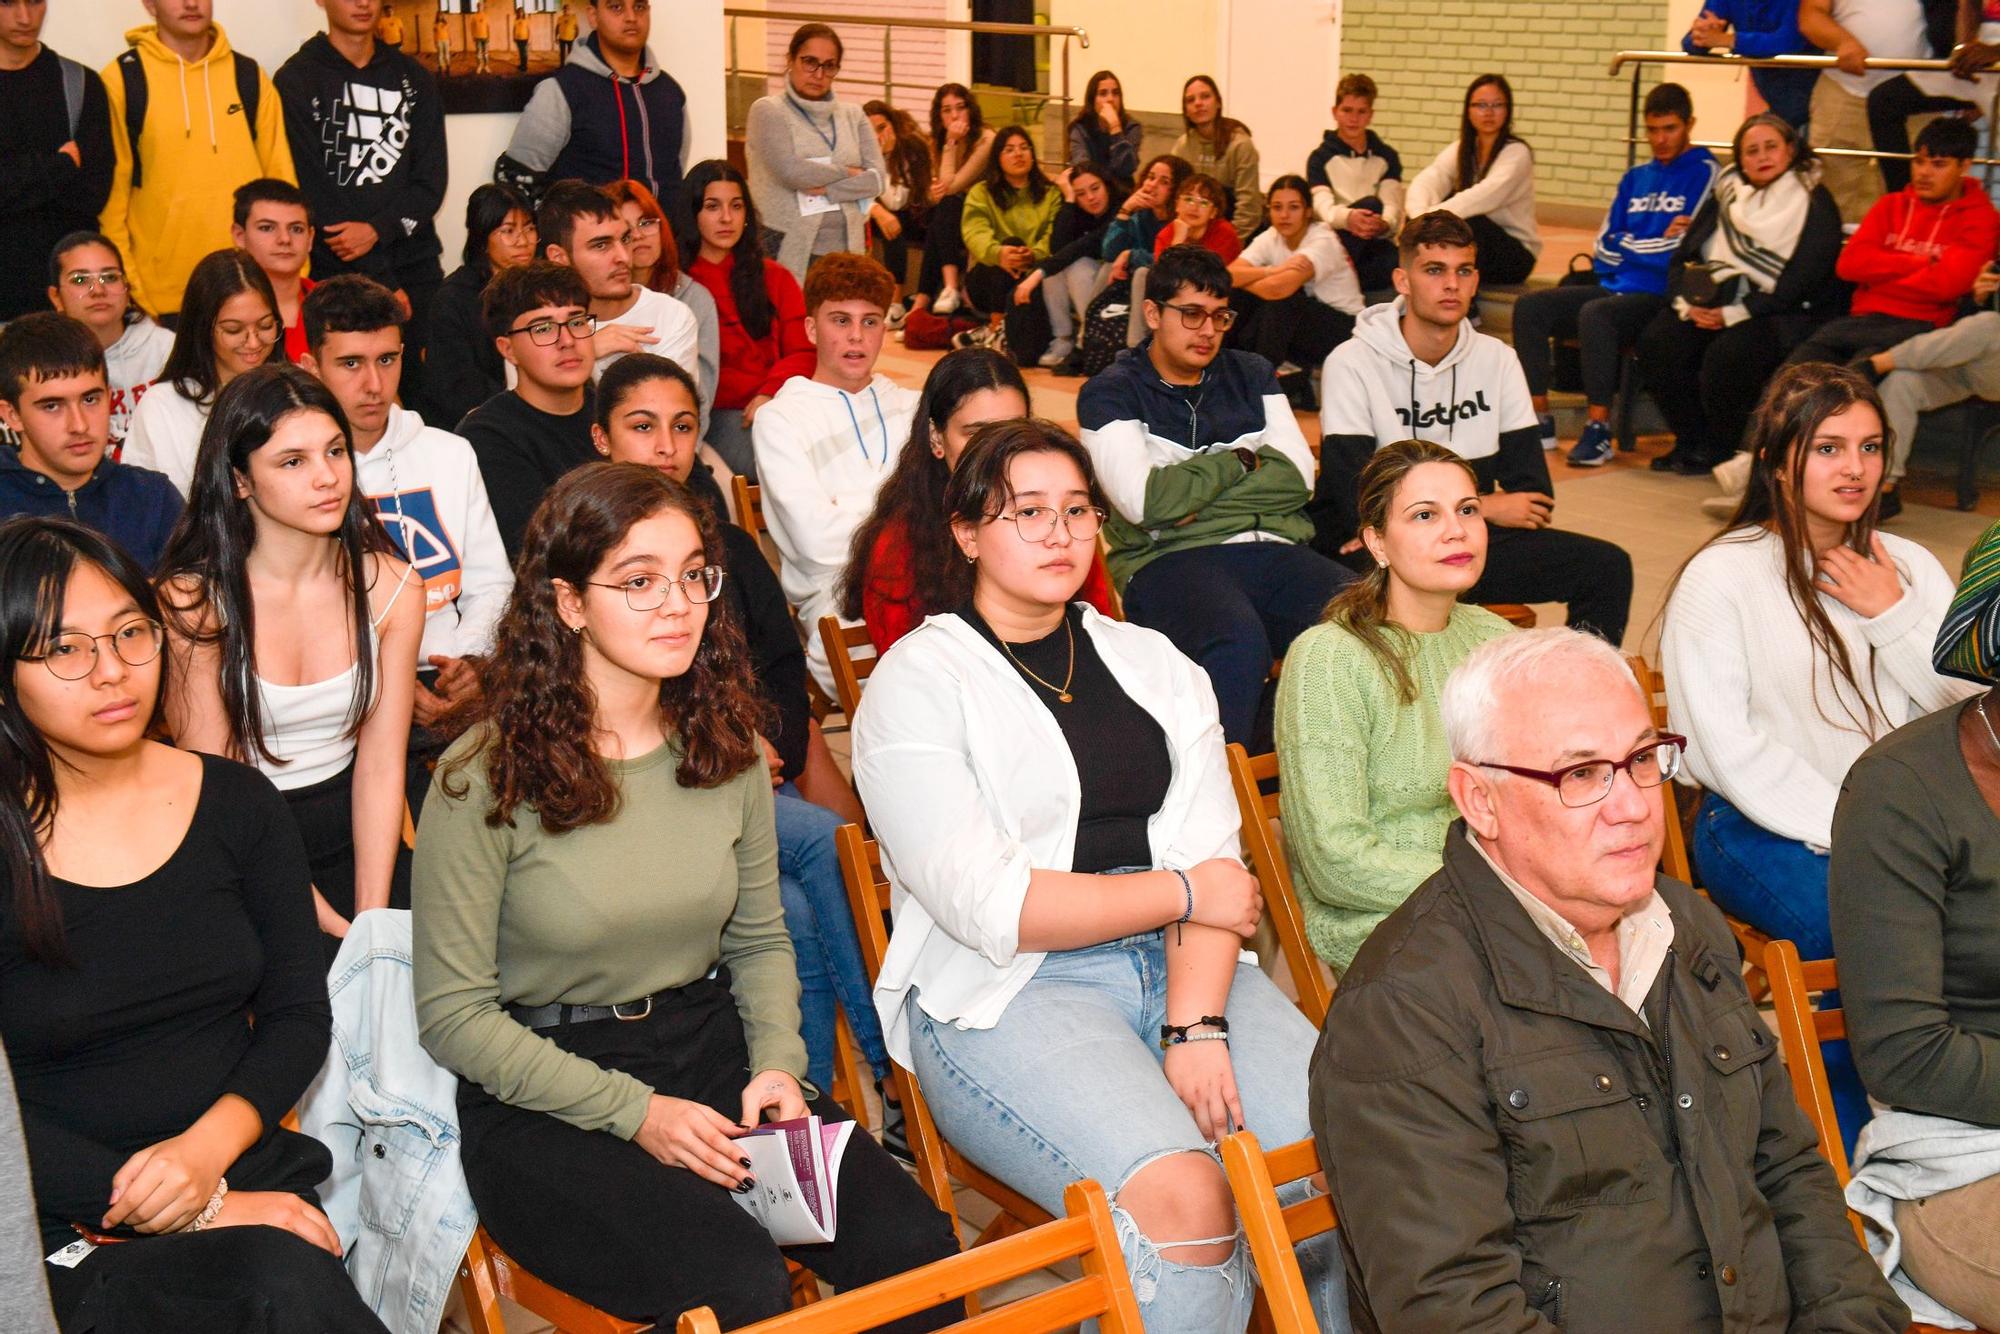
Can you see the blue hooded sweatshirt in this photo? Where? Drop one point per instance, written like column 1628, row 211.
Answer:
column 1633, row 249
column 134, row 507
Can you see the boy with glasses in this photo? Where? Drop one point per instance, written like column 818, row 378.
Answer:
column 87, row 283
column 55, row 399
column 526, row 437
column 1208, row 477
column 59, row 155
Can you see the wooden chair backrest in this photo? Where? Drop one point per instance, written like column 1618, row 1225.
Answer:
column 1268, row 862
column 1273, row 1229
column 1801, row 1029
column 849, row 668
column 1103, row 1292
column 1513, row 613
column 749, row 506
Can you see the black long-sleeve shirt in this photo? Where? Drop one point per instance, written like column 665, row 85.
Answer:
column 154, row 1023
column 462, row 367
column 46, row 195
column 1076, row 235
column 522, row 451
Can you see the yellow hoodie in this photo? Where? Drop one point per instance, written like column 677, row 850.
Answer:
column 197, row 150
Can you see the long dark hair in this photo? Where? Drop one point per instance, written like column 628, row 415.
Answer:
column 1362, row 608
column 37, row 558
column 1470, row 170
column 1796, row 403
column 191, row 367
column 979, row 488
column 205, row 568
column 975, row 120
column 537, row 705
column 1088, row 118
column 911, row 499
column 485, row 212
column 909, row 162
column 1223, row 128
column 995, row 180
column 1111, row 188
column 746, row 272
column 1180, row 168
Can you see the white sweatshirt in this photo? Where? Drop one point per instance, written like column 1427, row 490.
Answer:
column 1334, row 282
column 822, row 453
column 133, row 363
column 1506, row 195
column 1768, row 728
column 426, row 488
column 672, row 321
column 165, row 435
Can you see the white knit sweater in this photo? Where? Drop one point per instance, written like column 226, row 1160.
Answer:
column 1769, row 729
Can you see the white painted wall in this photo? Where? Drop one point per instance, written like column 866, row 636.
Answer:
column 1278, row 64
column 1152, row 48
column 687, row 41
column 1720, row 95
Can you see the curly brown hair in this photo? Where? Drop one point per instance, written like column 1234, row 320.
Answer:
column 535, row 701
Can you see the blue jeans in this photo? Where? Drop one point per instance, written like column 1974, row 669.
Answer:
column 1233, row 608
column 1778, row 886
column 1068, row 1085
column 822, row 930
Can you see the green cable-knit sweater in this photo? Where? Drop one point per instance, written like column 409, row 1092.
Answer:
column 1362, row 774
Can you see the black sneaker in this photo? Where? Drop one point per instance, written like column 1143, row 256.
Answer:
column 895, row 1130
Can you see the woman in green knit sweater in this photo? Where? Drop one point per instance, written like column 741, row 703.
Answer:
column 600, row 952
column 1009, row 222
column 1361, row 750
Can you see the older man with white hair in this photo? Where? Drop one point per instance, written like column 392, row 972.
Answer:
column 1543, row 1097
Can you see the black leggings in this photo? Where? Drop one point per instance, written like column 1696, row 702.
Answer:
column 943, row 244
column 1502, row 258
column 603, row 1220
column 1706, row 382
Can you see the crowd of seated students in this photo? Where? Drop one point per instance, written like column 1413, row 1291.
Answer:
column 536, row 637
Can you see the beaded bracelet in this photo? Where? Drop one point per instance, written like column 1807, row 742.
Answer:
column 214, row 1206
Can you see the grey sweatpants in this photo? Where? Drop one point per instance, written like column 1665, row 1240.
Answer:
column 1935, row 370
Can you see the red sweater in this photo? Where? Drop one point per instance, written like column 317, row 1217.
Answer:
column 892, row 609
column 748, row 364
column 1916, row 260
column 1220, row 237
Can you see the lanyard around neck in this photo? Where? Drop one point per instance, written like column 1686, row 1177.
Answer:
column 880, row 420
column 832, row 143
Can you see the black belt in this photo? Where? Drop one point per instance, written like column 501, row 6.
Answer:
column 553, row 1016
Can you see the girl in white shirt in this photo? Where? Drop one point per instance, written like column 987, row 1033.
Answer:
column 1056, row 817
column 1792, row 641
column 228, row 325
column 1487, row 177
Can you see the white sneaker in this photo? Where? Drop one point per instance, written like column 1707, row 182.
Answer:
column 1733, row 474
column 947, row 301
column 893, row 318
column 1059, row 351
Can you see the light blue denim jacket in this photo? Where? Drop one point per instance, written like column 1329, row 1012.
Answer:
column 389, row 1113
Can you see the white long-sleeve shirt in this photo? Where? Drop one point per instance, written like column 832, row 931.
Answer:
column 1506, row 194
column 1770, row 729
column 822, row 453
column 165, row 434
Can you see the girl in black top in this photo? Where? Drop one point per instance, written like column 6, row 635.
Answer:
column 462, row 367
column 156, row 901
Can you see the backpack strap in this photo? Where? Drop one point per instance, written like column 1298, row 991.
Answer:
column 249, row 89
column 73, row 89
column 134, row 75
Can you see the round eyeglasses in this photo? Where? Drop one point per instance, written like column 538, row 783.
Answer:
column 72, row 655
column 545, row 333
column 1590, row 782
column 648, row 592
column 1037, row 523
column 1194, row 317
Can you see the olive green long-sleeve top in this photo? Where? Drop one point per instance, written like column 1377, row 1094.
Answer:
column 678, row 880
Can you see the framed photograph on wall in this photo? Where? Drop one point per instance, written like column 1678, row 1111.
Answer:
column 488, row 55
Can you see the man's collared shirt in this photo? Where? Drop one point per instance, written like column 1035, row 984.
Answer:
column 1645, row 934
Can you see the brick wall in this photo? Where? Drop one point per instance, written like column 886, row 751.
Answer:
column 1423, row 52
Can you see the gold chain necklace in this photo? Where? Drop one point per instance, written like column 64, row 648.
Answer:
column 1061, row 691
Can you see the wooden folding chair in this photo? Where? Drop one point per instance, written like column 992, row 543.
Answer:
column 1513, row 613
column 849, row 668
column 937, row 1162
column 1273, row 1229
column 1274, row 874
column 1084, row 1234
column 1674, row 858
column 750, row 517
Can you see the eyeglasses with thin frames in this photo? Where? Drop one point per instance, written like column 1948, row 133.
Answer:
column 1486, row 106
column 1194, row 317
column 1037, row 523
column 83, row 280
column 546, row 332
column 648, row 592
column 817, row 67
column 1590, row 782
column 72, row 655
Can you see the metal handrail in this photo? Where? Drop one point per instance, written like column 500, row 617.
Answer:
column 1638, row 60
column 888, row 83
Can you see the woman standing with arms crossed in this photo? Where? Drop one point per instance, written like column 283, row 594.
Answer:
column 814, row 163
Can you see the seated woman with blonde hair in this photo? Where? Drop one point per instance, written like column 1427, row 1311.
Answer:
column 1361, row 747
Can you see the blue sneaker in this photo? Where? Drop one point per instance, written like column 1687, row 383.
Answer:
column 1593, row 448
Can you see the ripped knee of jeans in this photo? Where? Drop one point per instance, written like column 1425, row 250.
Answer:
column 1149, row 1259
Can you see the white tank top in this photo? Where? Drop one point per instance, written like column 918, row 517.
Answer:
column 307, row 727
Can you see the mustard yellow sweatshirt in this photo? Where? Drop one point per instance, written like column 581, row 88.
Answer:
column 196, row 147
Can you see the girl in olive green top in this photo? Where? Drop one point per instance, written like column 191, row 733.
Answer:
column 1361, row 750
column 600, row 951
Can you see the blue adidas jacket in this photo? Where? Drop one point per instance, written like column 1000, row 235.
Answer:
column 134, row 507
column 1633, row 248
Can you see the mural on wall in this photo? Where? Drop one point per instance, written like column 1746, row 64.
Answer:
column 488, row 54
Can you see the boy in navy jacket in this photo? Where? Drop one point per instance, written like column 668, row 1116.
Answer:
column 1653, row 206
column 55, row 396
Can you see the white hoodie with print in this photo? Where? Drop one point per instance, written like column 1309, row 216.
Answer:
column 132, row 364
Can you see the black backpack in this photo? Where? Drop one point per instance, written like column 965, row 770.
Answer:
column 249, row 91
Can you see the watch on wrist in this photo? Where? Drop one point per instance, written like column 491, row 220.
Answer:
column 1247, row 457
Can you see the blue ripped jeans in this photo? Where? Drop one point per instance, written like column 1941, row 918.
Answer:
column 1778, row 885
column 1069, row 1085
column 821, row 926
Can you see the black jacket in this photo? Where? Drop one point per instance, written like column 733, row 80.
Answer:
column 134, row 507
column 47, row 196
column 462, row 367
column 522, row 452
column 1807, row 285
column 369, row 147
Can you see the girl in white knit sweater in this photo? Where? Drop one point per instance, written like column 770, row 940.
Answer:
column 1792, row 641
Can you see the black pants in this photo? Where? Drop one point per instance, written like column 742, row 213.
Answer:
column 426, row 748
column 1890, row 106
column 990, row 288
column 896, row 251
column 1592, row 578
column 1841, row 341
column 602, row 1219
column 1707, row 382
column 1374, row 259
column 943, row 244
column 324, row 813
column 1603, row 323
column 1502, row 258
column 1297, row 328
column 522, row 47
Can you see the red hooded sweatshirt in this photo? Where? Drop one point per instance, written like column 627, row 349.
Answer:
column 1916, row 260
